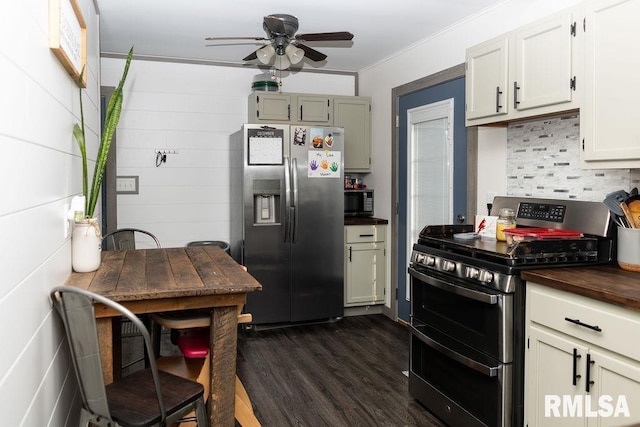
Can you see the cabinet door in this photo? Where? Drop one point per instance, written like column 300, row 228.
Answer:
column 608, row 118
column 272, row 107
column 486, row 83
column 354, row 115
column 544, row 57
column 362, row 271
column 616, row 378
column 314, row 109
column 550, row 375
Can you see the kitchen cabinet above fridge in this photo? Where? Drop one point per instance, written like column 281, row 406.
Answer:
column 352, row 113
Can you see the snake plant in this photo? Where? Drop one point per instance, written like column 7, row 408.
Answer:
column 114, row 108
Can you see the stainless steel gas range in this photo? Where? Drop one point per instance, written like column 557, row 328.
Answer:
column 468, row 305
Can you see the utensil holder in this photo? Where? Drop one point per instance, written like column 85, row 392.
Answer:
column 629, row 249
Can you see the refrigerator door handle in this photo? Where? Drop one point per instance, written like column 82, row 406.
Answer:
column 287, row 198
column 294, row 182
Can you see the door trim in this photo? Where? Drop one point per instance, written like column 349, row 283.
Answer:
column 443, row 76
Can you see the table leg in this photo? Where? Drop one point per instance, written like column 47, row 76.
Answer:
column 105, row 340
column 223, row 351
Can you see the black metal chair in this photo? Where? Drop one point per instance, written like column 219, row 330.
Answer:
column 124, row 238
column 145, row 398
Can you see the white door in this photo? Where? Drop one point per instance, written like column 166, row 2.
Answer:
column 429, row 168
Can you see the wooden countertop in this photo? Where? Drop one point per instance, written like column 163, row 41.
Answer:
column 363, row 220
column 604, row 283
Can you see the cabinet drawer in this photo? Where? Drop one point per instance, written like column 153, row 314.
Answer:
column 364, row 233
column 619, row 327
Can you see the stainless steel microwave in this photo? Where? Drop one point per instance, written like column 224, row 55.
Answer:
column 358, row 202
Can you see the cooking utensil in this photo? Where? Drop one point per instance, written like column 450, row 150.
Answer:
column 612, row 201
column 627, row 215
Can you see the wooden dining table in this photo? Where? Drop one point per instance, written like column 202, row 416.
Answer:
column 169, row 279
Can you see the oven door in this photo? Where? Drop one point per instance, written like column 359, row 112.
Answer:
column 480, row 318
column 461, row 390
column 461, row 350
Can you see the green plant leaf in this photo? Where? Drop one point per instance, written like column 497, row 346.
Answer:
column 78, row 133
column 112, row 117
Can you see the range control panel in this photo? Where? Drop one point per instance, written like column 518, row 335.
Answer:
column 545, row 212
column 566, row 214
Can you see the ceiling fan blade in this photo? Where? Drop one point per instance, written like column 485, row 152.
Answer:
column 336, row 36
column 253, row 55
column 235, row 38
column 312, row 54
column 274, row 24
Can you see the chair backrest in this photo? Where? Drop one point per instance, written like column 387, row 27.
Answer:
column 124, row 238
column 76, row 308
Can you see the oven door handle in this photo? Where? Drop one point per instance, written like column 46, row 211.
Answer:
column 489, row 371
column 459, row 290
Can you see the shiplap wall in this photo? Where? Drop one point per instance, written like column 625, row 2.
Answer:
column 191, row 108
column 40, row 171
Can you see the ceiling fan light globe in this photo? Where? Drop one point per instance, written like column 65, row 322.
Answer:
column 282, row 62
column 265, row 54
column 295, row 54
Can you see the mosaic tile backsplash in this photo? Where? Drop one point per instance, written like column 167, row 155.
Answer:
column 543, row 160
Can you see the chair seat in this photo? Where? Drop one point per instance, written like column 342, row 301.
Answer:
column 133, row 402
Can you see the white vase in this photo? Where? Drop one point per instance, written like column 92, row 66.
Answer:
column 86, row 246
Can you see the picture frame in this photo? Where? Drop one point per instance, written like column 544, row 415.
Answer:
column 68, row 37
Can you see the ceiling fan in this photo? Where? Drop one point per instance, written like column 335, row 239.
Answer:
column 283, row 44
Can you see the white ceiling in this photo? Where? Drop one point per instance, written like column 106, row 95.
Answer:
column 177, row 29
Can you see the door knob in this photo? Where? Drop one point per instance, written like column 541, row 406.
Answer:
column 461, row 218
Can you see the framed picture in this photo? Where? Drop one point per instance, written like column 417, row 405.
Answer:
column 68, row 37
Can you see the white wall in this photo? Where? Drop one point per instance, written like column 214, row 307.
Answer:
column 191, row 108
column 40, row 171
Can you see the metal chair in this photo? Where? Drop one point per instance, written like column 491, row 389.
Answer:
column 147, row 397
column 124, row 238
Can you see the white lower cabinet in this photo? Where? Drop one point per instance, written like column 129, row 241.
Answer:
column 364, row 265
column 582, row 365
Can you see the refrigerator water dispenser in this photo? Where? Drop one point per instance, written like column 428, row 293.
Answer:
column 266, row 201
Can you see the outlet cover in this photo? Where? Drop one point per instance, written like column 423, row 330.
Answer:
column 127, row 185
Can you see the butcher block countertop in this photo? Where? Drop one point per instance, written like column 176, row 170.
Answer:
column 361, row 220
column 604, row 283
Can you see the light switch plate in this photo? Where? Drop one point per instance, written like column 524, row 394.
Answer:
column 127, row 185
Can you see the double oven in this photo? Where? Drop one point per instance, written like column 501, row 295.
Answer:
column 468, row 303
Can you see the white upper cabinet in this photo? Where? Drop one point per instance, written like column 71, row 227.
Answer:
column 609, row 116
column 524, row 73
column 544, row 64
column 487, row 87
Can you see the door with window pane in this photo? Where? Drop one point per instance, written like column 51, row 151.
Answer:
column 432, row 169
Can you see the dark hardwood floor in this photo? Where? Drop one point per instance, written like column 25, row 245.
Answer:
column 348, row 373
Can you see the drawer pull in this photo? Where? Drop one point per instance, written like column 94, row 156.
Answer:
column 366, row 235
column 579, row 323
column 576, row 356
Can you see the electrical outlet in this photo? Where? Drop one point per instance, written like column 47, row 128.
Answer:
column 127, row 185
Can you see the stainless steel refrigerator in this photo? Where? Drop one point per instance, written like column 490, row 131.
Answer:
column 287, row 220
